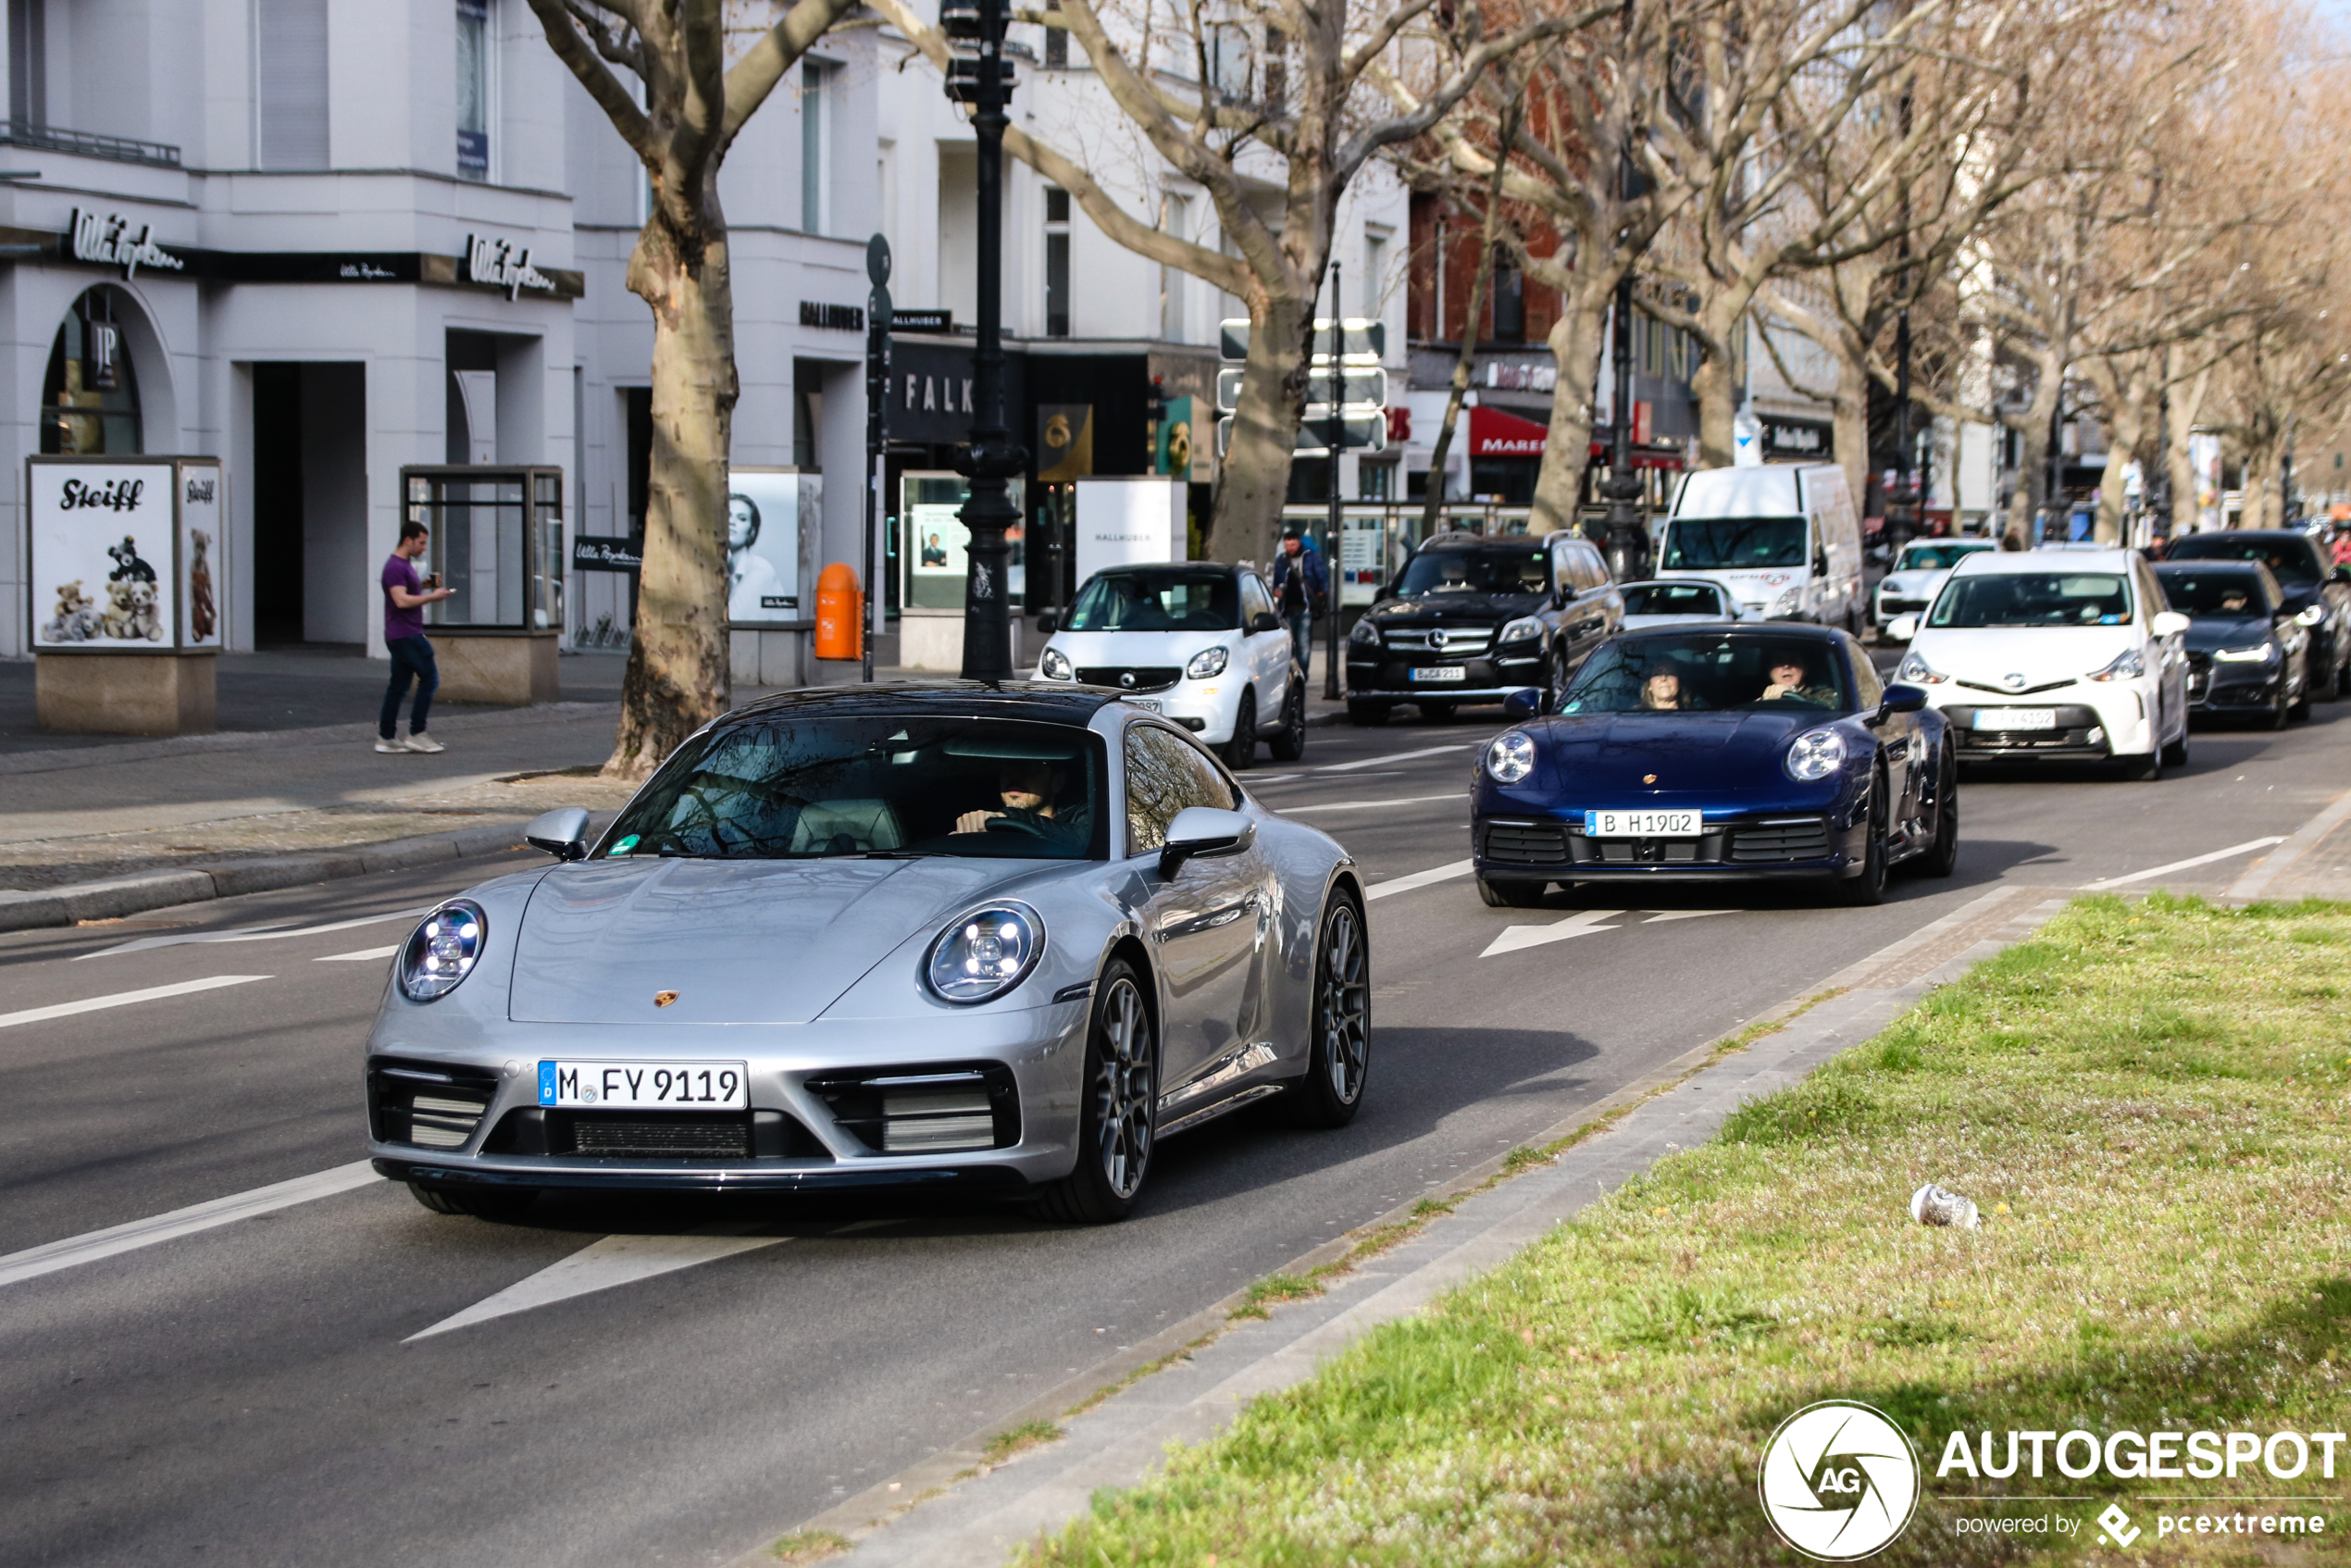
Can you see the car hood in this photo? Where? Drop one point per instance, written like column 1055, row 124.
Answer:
column 1637, row 623
column 1455, row 609
column 1914, row 585
column 1688, row 754
column 1094, row 650
column 739, row 941
column 2209, row 633
column 2039, row 653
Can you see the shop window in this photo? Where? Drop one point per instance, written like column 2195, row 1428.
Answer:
column 1056, row 263
column 1056, row 41
column 1510, row 299
column 475, row 43
column 1375, row 481
column 815, row 147
column 1172, row 325
column 90, row 402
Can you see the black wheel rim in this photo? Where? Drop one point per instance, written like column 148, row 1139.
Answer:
column 1343, row 1004
column 1123, row 1089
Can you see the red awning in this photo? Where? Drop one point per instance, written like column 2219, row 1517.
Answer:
column 1494, row 433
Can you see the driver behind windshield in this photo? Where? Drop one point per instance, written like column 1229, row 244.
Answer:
column 1788, row 681
column 1029, row 790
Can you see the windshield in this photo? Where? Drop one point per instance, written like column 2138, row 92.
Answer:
column 2295, row 563
column 1157, row 601
column 2222, row 591
column 812, row 789
column 1517, row 568
column 1672, row 599
column 1934, row 557
column 1706, row 544
column 2033, row 599
column 1712, row 672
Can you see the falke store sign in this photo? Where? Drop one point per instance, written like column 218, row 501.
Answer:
column 106, row 240
column 500, row 265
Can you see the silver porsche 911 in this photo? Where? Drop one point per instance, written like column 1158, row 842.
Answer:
column 998, row 942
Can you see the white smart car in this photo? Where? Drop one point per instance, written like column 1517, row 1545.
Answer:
column 1197, row 641
column 2069, row 656
column 1918, row 574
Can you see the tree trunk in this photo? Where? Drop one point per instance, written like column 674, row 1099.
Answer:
column 2126, row 422
column 677, row 677
column 1711, row 386
column 2032, row 463
column 1850, row 419
column 1575, row 341
column 1254, row 481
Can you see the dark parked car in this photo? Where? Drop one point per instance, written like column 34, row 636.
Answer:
column 2306, row 577
column 2248, row 652
column 1472, row 619
column 1718, row 753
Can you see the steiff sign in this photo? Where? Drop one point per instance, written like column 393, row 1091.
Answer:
column 125, row 554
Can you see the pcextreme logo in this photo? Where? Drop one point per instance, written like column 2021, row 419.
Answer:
column 1839, row 1480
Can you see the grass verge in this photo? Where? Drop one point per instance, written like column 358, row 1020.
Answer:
column 2149, row 1102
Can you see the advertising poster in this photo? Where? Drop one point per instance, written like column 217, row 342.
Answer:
column 200, row 576
column 104, row 574
column 769, row 511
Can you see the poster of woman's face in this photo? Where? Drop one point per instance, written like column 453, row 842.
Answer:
column 106, row 569
column 767, row 516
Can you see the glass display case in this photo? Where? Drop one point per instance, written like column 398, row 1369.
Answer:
column 497, row 539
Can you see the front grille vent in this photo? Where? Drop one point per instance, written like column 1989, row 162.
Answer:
column 680, row 1136
column 2016, row 690
column 1525, row 845
column 1804, row 840
column 1460, row 641
column 426, row 1103
column 925, row 1109
column 1147, row 678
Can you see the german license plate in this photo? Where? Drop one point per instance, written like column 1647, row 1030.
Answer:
column 1441, row 672
column 1151, row 703
column 2016, row 719
column 1641, row 824
column 644, row 1086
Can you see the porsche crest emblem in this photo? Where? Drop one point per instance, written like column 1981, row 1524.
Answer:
column 1648, row 777
column 662, row 999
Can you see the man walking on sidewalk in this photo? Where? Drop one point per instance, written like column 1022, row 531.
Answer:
column 1300, row 588
column 405, row 596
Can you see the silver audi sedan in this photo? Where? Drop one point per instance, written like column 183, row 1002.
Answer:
column 998, row 942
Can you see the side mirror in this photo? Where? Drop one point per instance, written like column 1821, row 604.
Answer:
column 1200, row 830
column 1525, row 703
column 1901, row 698
column 1264, row 620
column 1821, row 564
column 2168, row 623
column 562, row 832
column 1047, row 623
column 1902, row 627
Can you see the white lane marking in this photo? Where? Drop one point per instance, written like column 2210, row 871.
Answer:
column 1384, row 761
column 124, row 999
column 1583, row 923
column 601, row 1265
column 1370, row 805
column 2246, row 848
column 75, row 1250
column 1421, row 879
column 1687, row 914
column 1274, row 777
column 268, row 933
column 363, row 954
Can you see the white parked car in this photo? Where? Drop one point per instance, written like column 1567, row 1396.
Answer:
column 2070, row 656
column 1918, row 574
column 1674, row 601
column 1200, row 642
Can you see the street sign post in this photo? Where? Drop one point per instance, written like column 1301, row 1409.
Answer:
column 878, row 326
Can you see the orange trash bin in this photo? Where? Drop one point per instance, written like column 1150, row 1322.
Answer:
column 840, row 614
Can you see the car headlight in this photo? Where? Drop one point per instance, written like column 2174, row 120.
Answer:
column 1055, row 665
column 2260, row 655
column 986, row 953
column 1815, row 754
column 1511, row 757
column 1520, row 630
column 1365, row 633
column 1207, row 662
column 2129, row 665
column 1915, row 671
column 1791, row 601
column 2311, row 615
column 439, row 954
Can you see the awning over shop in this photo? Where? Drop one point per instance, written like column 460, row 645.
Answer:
column 1494, row 432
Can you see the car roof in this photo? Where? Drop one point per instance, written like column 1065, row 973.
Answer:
column 1981, row 563
column 1461, row 539
column 1734, row 628
column 1030, row 700
column 1186, row 568
column 2266, row 536
column 2217, row 564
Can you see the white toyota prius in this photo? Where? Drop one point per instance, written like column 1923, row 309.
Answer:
column 2038, row 655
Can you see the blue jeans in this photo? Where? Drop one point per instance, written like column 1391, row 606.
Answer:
column 1300, row 622
column 410, row 656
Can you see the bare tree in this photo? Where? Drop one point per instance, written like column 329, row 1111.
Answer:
column 689, row 103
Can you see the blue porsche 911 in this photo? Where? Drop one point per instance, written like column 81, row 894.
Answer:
column 1717, row 753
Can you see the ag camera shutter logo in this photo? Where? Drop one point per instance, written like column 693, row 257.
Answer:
column 1839, row 1481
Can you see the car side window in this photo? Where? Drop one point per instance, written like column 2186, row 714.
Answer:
column 1868, row 690
column 1595, row 566
column 1163, row 776
column 1255, row 598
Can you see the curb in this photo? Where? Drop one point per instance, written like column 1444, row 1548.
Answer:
column 106, row 755
column 116, row 896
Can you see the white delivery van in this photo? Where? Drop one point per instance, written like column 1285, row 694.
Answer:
column 1783, row 538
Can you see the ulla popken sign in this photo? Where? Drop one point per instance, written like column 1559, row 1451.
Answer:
column 500, row 265
column 106, row 240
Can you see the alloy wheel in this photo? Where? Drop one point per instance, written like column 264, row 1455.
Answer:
column 1343, row 1004
column 1123, row 1089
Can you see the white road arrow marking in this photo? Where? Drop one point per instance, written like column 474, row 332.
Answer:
column 124, row 999
column 1583, row 923
column 1687, row 914
column 601, row 1265
column 2246, row 848
column 361, row 956
column 1384, row 761
column 34, row 1261
column 1421, row 879
column 1374, row 805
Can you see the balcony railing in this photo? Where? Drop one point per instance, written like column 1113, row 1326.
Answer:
column 56, row 139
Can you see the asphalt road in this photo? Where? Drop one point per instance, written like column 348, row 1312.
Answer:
column 250, row 1393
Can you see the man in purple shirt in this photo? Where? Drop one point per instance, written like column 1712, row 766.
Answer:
column 405, row 596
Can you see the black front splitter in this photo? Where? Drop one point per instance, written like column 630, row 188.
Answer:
column 990, row 1180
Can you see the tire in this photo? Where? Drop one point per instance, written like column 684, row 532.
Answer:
column 1338, row 1056
column 1436, row 713
column 489, row 1204
column 1288, row 743
column 1557, row 688
column 1240, row 752
column 2281, row 712
column 2176, row 754
column 1511, row 895
column 1868, row 889
column 2144, row 769
column 2300, row 712
column 1116, row 1108
column 1366, row 716
column 2336, row 673
column 1943, row 858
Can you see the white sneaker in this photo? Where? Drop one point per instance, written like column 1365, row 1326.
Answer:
column 389, row 747
column 424, row 744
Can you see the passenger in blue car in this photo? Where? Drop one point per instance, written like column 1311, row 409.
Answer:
column 1661, row 694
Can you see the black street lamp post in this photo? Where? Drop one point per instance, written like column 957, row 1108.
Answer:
column 993, row 457
column 1331, row 533
column 1628, row 545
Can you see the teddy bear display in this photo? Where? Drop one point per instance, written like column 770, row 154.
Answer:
column 200, row 611
column 76, row 619
column 146, row 618
column 128, row 567
column 117, row 621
